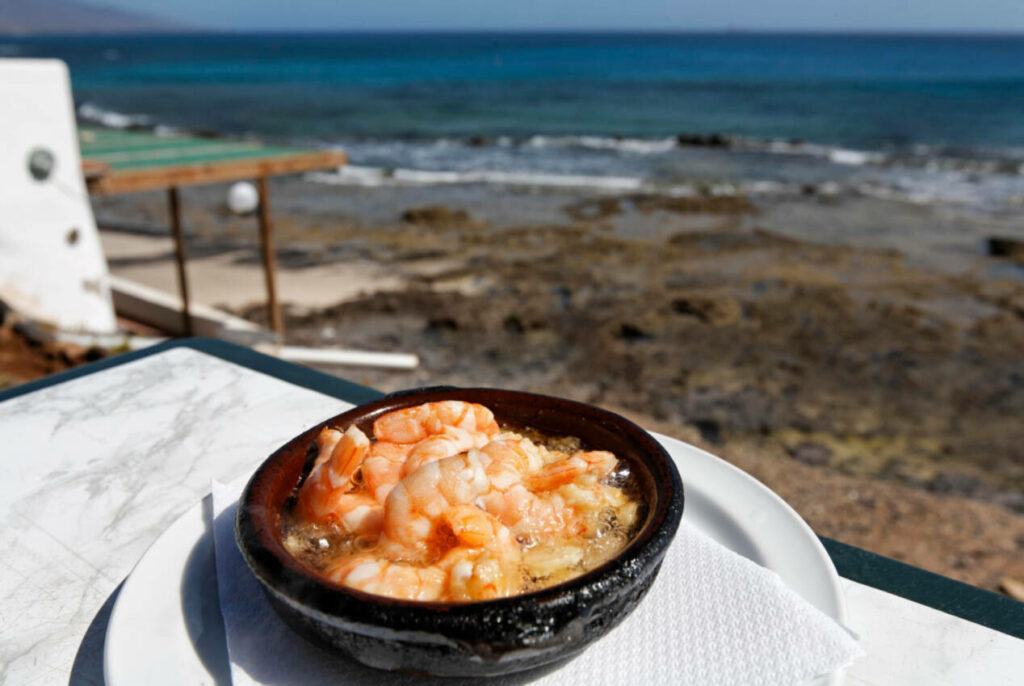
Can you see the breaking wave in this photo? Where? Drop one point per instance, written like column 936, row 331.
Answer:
column 682, row 165
column 111, row 119
column 374, row 177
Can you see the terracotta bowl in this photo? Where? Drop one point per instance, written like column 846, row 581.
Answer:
column 464, row 639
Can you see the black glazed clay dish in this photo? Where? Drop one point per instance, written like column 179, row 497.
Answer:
column 464, row 639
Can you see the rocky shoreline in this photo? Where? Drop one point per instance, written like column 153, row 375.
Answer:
column 875, row 382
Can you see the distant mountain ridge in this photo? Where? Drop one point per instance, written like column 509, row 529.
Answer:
column 33, row 17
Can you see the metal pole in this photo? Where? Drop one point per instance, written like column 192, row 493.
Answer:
column 269, row 266
column 179, row 257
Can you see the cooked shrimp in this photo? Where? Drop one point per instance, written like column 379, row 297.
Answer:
column 480, row 574
column 332, row 477
column 412, row 424
column 326, row 442
column 396, row 579
column 356, row 513
column 415, row 505
column 443, row 504
column 475, row 528
column 519, row 454
column 526, row 514
column 452, row 442
column 382, row 467
column 485, row 564
column 506, row 463
column 595, row 465
column 588, row 506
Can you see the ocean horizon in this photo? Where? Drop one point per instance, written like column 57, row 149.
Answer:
column 497, row 31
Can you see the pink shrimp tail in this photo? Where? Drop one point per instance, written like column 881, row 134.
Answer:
column 332, row 476
column 556, row 474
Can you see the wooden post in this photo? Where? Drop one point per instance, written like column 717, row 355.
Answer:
column 179, row 257
column 269, row 265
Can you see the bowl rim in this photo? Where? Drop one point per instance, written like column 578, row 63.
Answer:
column 281, row 572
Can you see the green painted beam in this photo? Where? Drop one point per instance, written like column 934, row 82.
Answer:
column 136, row 150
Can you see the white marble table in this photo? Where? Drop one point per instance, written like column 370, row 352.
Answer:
column 96, row 467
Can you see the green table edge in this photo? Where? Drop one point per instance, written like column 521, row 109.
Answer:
column 230, row 352
column 934, row 590
column 181, row 150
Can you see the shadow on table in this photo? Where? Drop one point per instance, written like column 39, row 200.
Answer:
column 200, row 604
column 200, row 608
column 87, row 669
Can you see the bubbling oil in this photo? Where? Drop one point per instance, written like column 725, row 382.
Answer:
column 610, row 515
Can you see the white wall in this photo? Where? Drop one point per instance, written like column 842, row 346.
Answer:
column 52, row 267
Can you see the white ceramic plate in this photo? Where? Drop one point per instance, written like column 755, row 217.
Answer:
column 166, row 626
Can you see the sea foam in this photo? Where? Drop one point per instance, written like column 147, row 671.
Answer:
column 109, row 118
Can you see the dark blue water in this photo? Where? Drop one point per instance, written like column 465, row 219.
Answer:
column 859, row 91
column 928, row 117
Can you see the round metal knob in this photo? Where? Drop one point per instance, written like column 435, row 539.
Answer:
column 41, row 163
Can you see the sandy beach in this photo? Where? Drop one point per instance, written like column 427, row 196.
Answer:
column 873, row 377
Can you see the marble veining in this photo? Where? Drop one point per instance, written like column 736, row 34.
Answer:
column 96, row 468
column 909, row 644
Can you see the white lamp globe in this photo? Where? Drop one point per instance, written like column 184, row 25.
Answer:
column 243, row 198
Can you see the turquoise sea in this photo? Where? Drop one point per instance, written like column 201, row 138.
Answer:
column 926, row 116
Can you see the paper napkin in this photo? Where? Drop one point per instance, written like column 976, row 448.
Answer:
column 712, row 617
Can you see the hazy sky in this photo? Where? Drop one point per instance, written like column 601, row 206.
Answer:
column 948, row 15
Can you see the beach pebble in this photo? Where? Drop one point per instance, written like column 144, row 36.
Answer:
column 1006, row 247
